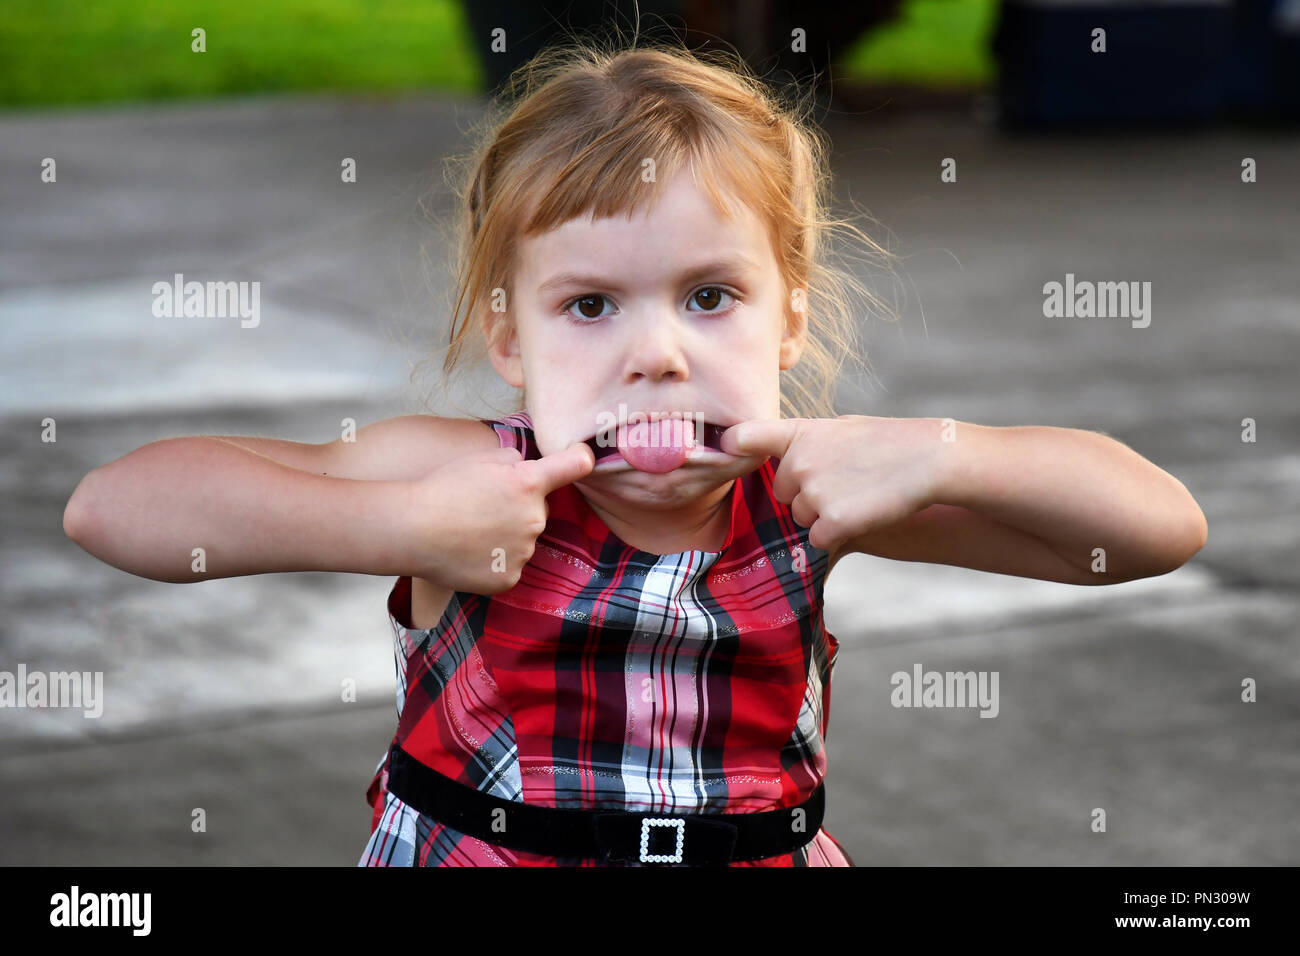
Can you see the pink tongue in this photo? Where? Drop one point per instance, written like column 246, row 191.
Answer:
column 657, row 447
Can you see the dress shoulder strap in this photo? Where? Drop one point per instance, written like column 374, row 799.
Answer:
column 515, row 431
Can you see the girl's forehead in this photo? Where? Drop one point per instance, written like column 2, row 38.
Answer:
column 681, row 219
column 680, row 197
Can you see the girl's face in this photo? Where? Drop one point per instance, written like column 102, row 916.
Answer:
column 679, row 310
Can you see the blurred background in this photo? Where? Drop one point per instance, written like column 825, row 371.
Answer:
column 1161, row 149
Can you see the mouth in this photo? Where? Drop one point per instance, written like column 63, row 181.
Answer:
column 704, row 437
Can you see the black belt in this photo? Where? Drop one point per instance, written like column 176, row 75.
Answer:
column 610, row 836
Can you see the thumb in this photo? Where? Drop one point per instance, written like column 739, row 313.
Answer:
column 562, row 468
column 760, row 436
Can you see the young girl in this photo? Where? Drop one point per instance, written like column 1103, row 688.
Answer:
column 608, row 608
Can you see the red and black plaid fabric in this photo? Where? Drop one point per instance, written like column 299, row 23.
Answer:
column 613, row 678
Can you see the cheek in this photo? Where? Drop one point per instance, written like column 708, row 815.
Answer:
column 753, row 353
column 570, row 361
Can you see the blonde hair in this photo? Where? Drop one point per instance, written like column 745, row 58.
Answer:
column 571, row 139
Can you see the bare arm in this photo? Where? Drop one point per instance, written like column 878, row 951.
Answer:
column 407, row 447
column 1047, row 502
column 146, row 513
column 258, row 505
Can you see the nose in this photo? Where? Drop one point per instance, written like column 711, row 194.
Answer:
column 656, row 351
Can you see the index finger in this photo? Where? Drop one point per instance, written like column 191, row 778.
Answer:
column 562, row 468
column 760, row 436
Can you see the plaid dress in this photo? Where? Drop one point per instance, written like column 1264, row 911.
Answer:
column 612, row 678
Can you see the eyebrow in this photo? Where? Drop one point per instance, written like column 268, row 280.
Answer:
column 734, row 264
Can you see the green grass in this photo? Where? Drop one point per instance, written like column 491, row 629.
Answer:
column 59, row 52
column 942, row 42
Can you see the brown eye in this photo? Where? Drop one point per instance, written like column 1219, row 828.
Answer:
column 710, row 297
column 589, row 307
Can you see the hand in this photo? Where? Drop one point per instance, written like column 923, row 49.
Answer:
column 844, row 476
column 476, row 520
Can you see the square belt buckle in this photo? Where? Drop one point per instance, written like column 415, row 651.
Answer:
column 646, row 824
